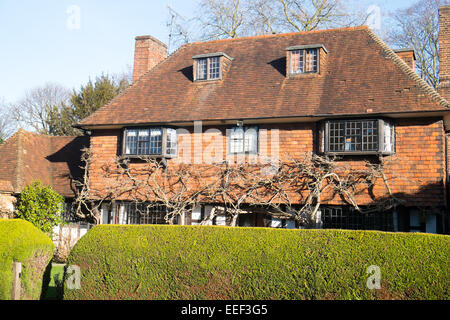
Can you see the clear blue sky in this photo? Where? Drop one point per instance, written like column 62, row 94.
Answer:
column 38, row 43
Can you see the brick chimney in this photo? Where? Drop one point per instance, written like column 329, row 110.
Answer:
column 408, row 56
column 147, row 54
column 444, row 52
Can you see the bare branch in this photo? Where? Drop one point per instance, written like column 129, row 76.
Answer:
column 290, row 189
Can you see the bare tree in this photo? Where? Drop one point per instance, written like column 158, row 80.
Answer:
column 7, row 125
column 263, row 19
column 41, row 108
column 223, row 19
column 307, row 15
column 218, row 19
column 417, row 27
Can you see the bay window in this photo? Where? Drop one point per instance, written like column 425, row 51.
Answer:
column 150, row 142
column 369, row 136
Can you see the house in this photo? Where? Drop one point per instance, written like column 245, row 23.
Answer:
column 28, row 156
column 336, row 92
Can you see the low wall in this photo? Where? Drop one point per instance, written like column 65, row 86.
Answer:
column 7, row 202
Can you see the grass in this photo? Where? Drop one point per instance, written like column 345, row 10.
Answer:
column 54, row 291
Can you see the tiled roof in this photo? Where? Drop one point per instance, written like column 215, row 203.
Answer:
column 362, row 73
column 28, row 156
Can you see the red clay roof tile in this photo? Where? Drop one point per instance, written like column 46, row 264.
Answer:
column 361, row 73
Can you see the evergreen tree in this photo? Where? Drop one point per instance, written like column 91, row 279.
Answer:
column 90, row 98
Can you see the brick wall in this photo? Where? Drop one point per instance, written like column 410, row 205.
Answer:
column 407, row 56
column 444, row 51
column 416, row 172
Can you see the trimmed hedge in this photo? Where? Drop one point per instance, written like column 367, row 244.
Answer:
column 20, row 241
column 211, row 262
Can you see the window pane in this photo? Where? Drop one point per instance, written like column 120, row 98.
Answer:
column 297, row 61
column 343, row 218
column 251, row 140
column 132, row 215
column 311, row 60
column 201, row 69
column 388, row 137
column 305, row 60
column 171, row 142
column 370, row 135
column 142, row 213
column 237, row 140
column 336, row 136
column 130, row 141
column 155, row 141
column 244, row 140
column 153, row 214
column 143, row 141
column 214, row 68
column 353, row 136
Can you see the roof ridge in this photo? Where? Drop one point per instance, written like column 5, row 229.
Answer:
column 408, row 70
column 262, row 36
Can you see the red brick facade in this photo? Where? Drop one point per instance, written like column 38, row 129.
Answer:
column 416, row 172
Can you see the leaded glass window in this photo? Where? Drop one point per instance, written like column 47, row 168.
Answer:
column 304, row 61
column 149, row 141
column 201, row 69
column 208, row 68
column 358, row 136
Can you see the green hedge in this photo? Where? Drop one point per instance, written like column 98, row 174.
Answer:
column 210, row 262
column 21, row 242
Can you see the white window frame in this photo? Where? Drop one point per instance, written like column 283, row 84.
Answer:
column 169, row 142
column 245, row 147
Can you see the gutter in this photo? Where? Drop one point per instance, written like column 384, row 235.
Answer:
column 318, row 117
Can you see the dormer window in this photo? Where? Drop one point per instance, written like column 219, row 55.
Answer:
column 209, row 66
column 304, row 59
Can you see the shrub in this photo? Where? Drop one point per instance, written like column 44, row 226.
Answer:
column 40, row 205
column 21, row 242
column 211, row 262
